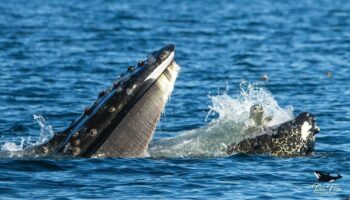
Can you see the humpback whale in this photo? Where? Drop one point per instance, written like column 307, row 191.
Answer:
column 122, row 121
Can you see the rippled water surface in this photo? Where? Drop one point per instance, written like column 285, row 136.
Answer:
column 56, row 55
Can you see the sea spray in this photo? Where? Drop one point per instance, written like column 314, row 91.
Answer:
column 46, row 132
column 228, row 128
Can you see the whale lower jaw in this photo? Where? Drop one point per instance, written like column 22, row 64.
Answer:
column 133, row 134
column 292, row 138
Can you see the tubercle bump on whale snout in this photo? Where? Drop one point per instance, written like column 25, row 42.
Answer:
column 158, row 56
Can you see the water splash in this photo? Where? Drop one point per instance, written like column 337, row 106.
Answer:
column 228, row 128
column 237, row 109
column 46, row 132
column 11, row 146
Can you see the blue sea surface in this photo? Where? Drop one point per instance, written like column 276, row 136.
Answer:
column 56, row 55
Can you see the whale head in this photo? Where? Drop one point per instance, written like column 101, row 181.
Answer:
column 122, row 120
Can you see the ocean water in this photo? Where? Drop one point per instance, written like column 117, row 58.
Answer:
column 56, row 55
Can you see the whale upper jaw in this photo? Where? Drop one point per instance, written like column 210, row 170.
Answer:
column 292, row 138
column 122, row 121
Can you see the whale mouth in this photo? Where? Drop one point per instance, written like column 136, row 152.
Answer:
column 123, row 119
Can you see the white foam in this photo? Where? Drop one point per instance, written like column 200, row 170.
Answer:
column 237, row 108
column 11, row 146
column 46, row 132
